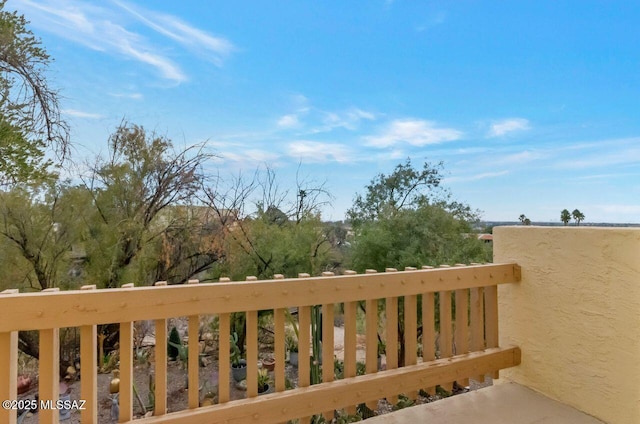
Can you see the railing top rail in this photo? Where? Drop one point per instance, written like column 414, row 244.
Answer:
column 35, row 311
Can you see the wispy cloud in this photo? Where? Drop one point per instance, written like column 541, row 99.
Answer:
column 248, row 158
column 475, row 177
column 506, row 126
column 103, row 29
column 215, row 48
column 602, row 159
column 133, row 96
column 525, row 156
column 348, row 119
column 415, row 132
column 80, row 114
column 288, row 121
column 314, row 151
column 321, row 121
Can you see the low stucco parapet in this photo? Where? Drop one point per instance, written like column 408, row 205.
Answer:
column 575, row 315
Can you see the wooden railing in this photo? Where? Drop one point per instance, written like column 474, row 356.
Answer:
column 465, row 344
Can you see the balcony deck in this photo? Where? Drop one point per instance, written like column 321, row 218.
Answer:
column 505, row 403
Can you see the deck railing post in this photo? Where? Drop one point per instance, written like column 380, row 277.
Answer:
column 125, row 397
column 8, row 370
column 160, row 352
column 193, row 367
column 89, row 369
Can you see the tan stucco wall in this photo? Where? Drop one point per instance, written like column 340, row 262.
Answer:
column 575, row 315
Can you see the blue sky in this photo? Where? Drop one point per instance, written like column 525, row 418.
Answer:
column 532, row 106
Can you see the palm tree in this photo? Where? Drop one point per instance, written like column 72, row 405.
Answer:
column 522, row 219
column 565, row 216
column 578, row 216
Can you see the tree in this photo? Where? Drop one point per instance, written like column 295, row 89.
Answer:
column 267, row 230
column 36, row 241
column 36, row 227
column 406, row 219
column 565, row 216
column 405, row 187
column 132, row 193
column 577, row 216
column 21, row 160
column 29, row 108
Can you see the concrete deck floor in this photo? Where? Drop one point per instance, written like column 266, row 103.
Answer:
column 506, row 403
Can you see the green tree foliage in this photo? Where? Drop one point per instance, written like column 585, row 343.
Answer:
column 405, row 188
column 30, row 120
column 279, row 234
column 34, row 226
column 524, row 220
column 21, row 161
column 565, row 216
column 577, row 216
column 132, row 194
column 428, row 235
column 405, row 219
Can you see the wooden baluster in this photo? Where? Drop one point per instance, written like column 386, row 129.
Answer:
column 350, row 341
column 428, row 330
column 160, row 353
column 8, row 369
column 125, row 398
column 411, row 331
column 279, row 344
column 89, row 369
column 304, row 331
column 462, row 327
column 49, row 369
column 224, row 348
column 371, row 337
column 446, row 336
column 252, row 350
column 304, row 356
column 411, row 335
column 193, row 346
column 279, row 348
column 491, row 319
column 391, row 350
column 477, row 324
column 327, row 345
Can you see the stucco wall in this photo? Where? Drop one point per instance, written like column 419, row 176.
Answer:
column 575, row 315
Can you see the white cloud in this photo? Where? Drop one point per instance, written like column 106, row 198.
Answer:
column 133, row 96
column 476, row 177
column 501, row 128
column 250, row 157
column 522, row 157
column 604, row 158
column 102, row 29
column 314, row 151
column 415, row 132
column 81, row 114
column 288, row 121
column 217, row 48
column 348, row 120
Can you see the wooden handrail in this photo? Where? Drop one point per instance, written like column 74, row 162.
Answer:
column 74, row 308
